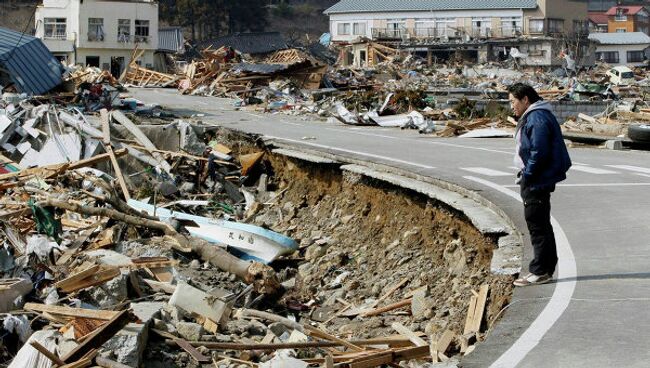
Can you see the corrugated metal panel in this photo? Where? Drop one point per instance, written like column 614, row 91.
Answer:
column 356, row 6
column 28, row 62
column 171, row 40
column 625, row 38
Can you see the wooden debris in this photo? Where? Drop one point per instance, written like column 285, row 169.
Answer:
column 99, row 337
column 404, row 331
column 106, row 140
column 476, row 310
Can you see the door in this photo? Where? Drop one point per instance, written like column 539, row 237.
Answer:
column 92, row 61
column 117, row 66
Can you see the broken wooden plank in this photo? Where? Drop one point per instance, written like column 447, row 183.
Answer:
column 404, row 331
column 77, row 277
column 192, row 351
column 99, row 337
column 106, row 140
column 445, row 340
column 476, row 310
column 70, row 312
column 97, row 278
column 50, row 355
column 387, row 308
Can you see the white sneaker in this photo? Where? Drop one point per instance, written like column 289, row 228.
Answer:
column 532, row 279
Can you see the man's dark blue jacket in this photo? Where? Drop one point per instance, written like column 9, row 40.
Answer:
column 541, row 148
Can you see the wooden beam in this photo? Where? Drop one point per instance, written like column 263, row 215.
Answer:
column 404, row 331
column 50, row 355
column 107, row 146
column 70, row 312
column 99, row 337
column 387, row 308
column 476, row 310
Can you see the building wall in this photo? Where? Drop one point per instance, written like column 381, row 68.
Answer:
column 628, row 25
column 622, row 52
column 111, row 11
column 569, row 10
column 105, row 55
column 76, row 47
column 380, row 19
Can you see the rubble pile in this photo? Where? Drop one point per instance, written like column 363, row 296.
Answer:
column 206, row 249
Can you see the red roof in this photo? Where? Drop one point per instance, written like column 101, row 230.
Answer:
column 629, row 10
column 598, row 18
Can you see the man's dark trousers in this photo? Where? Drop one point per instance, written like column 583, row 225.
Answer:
column 537, row 211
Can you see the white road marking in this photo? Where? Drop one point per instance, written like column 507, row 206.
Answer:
column 631, row 168
column 428, row 142
column 595, row 185
column 353, row 152
column 644, row 175
column 486, row 171
column 559, row 300
column 591, row 170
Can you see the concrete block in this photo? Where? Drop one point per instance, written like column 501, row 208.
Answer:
column 197, row 301
column 128, row 344
column 506, row 260
column 147, row 311
column 190, row 331
column 614, row 144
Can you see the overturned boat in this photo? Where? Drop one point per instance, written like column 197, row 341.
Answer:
column 246, row 241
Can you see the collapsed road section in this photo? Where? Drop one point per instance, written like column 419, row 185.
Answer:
column 132, row 244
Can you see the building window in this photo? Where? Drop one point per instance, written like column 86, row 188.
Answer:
column 536, row 26
column 123, row 30
column 55, row 28
column 141, row 31
column 425, row 28
column 92, row 61
column 444, row 27
column 95, row 29
column 510, row 26
column 395, row 27
column 535, row 50
column 621, row 30
column 481, row 26
column 343, row 29
column 620, row 15
column 635, row 56
column 359, row 29
column 556, row 25
column 580, row 26
column 610, row 57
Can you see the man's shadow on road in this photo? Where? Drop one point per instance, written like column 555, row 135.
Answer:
column 611, row 276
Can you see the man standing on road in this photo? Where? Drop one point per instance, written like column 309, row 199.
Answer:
column 543, row 161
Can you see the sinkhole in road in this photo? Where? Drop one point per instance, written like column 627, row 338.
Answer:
column 360, row 238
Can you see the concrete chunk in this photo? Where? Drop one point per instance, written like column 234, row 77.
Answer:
column 197, row 301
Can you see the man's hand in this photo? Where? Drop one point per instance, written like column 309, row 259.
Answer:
column 520, row 178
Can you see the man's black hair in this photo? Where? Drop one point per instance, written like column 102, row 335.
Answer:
column 521, row 90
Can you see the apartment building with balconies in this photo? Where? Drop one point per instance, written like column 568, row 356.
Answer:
column 483, row 28
column 99, row 33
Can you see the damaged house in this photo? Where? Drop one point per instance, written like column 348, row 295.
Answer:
column 102, row 34
column 479, row 31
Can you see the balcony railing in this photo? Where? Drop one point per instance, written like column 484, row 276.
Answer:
column 55, row 36
column 444, row 33
column 141, row 39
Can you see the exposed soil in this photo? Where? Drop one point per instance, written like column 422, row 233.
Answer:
column 358, row 238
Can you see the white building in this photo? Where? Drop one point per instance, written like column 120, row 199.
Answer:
column 485, row 29
column 621, row 48
column 99, row 33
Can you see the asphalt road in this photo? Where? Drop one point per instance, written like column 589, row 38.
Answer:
column 596, row 313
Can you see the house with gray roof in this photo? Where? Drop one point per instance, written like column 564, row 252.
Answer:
column 428, row 24
column 626, row 48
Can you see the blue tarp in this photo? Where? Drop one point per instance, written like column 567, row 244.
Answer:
column 28, row 63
